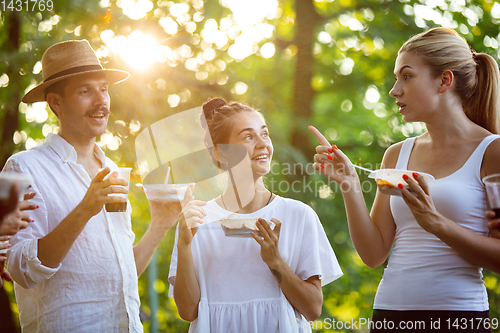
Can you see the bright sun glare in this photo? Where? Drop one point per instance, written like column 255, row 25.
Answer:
column 248, row 13
column 138, row 49
column 245, row 26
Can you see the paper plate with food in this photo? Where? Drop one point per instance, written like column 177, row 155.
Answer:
column 388, row 179
column 240, row 226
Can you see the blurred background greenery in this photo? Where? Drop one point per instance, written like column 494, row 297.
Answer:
column 327, row 63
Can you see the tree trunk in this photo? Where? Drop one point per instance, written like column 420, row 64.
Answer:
column 307, row 20
column 11, row 119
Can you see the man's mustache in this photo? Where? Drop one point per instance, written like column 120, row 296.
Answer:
column 102, row 109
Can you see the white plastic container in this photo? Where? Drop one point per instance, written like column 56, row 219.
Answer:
column 166, row 192
column 388, row 179
column 7, row 180
column 122, row 173
column 236, row 226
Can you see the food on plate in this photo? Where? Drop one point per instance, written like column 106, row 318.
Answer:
column 388, row 179
column 235, row 225
column 383, row 183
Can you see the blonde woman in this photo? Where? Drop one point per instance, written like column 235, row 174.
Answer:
column 439, row 237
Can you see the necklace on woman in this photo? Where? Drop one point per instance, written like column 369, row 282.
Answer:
column 268, row 201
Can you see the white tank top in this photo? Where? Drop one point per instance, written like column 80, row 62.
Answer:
column 423, row 273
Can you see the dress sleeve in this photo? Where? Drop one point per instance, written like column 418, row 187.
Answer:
column 173, row 266
column 316, row 255
column 23, row 263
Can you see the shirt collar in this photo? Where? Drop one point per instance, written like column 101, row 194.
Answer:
column 67, row 152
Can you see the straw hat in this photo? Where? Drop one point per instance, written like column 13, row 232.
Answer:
column 68, row 59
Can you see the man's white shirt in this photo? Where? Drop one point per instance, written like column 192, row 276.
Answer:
column 94, row 289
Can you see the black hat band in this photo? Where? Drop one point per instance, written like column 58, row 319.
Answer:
column 74, row 70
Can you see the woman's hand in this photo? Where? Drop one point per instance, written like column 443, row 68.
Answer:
column 331, row 162
column 187, row 293
column 190, row 218
column 421, row 203
column 19, row 218
column 164, row 214
column 305, row 296
column 4, row 275
column 493, row 224
column 4, row 245
column 268, row 241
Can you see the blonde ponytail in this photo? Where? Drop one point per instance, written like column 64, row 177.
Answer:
column 482, row 107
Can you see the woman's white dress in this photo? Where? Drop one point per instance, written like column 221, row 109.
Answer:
column 238, row 291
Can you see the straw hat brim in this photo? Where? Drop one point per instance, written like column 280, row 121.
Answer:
column 37, row 94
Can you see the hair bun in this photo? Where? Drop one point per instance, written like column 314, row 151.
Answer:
column 211, row 106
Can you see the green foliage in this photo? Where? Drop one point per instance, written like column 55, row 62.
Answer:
column 356, row 45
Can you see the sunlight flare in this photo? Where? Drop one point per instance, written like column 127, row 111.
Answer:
column 138, row 49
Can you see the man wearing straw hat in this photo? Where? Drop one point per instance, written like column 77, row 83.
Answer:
column 76, row 268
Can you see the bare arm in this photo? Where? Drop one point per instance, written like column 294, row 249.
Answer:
column 305, row 296
column 4, row 275
column 163, row 217
column 480, row 250
column 17, row 219
column 54, row 247
column 493, row 224
column 146, row 247
column 11, row 223
column 186, row 287
column 490, row 167
column 187, row 292
column 372, row 234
